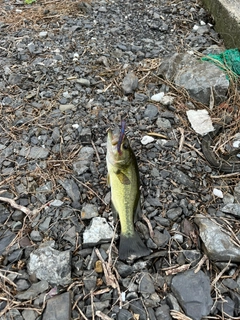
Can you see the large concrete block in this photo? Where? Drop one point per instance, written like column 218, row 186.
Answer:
column 226, row 14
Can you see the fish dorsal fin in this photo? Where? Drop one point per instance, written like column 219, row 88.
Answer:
column 122, row 177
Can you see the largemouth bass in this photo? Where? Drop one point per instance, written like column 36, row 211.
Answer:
column 123, row 178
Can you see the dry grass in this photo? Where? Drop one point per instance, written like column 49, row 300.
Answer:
column 39, row 12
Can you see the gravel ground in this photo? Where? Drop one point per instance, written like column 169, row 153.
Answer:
column 62, row 68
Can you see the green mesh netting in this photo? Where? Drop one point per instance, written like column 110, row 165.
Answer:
column 229, row 60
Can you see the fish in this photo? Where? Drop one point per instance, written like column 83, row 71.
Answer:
column 123, row 179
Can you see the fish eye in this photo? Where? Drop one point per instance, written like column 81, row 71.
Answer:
column 125, row 146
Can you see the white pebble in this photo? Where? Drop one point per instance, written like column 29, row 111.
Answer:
column 218, row 193
column 146, row 140
column 157, row 97
column 75, row 126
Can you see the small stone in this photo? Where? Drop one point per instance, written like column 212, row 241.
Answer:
column 163, row 312
column 34, row 153
column 130, row 83
column 146, row 285
column 58, row 307
column 65, row 107
column 44, row 226
column 218, row 193
column 151, row 111
column 163, row 124
column 89, row 211
column 31, row 47
column 146, row 140
column 51, row 265
column 157, row 97
column 178, row 237
column 237, row 192
column 72, row 189
column 227, row 306
column 99, row 230
column 35, row 236
column 83, row 82
column 124, row 269
column 124, row 314
column 56, row 203
column 161, row 238
column 22, row 285
column 33, row 291
column 232, row 208
column 43, row 34
column 5, row 240
column 29, row 314
column 174, row 213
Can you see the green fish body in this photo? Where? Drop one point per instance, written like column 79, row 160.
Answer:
column 123, row 178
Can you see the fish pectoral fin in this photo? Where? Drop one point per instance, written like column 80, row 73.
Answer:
column 122, row 177
column 138, row 212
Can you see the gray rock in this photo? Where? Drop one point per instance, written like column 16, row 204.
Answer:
column 220, row 247
column 227, row 306
column 196, row 76
column 83, row 82
column 124, row 314
column 124, row 269
column 182, row 178
column 174, row 213
column 34, row 152
column 65, row 107
column 130, row 83
column 44, row 226
column 70, row 235
column 161, row 238
column 89, row 211
column 71, row 188
column 50, row 264
column 163, row 124
column 232, row 208
column 35, row 235
column 195, row 299
column 163, row 312
column 31, row 47
column 85, row 157
column 22, row 285
column 89, row 282
column 58, row 307
column 3, row 216
column 12, row 314
column 98, row 231
column 5, row 240
column 33, row 291
column 17, row 215
column 172, row 302
column 137, row 308
column 236, row 192
column 29, row 314
column 151, row 111
column 43, row 34
column 146, row 285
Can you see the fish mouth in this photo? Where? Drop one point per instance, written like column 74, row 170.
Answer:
column 113, row 136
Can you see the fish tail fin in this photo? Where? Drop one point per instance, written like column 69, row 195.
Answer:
column 132, row 247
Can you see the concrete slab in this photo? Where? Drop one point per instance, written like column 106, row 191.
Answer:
column 226, row 14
